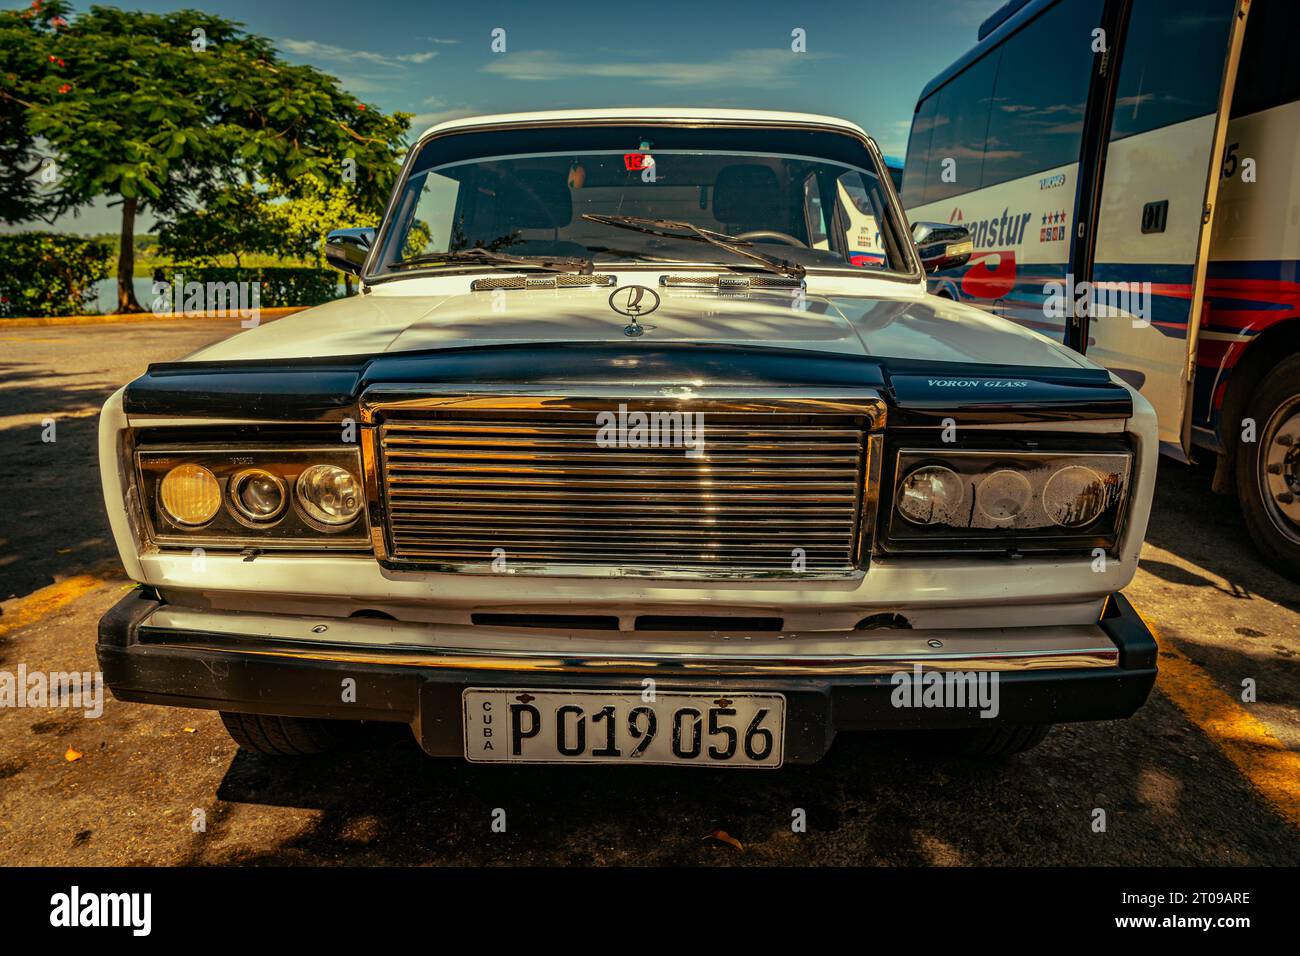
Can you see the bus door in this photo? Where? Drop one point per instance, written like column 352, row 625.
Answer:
column 1159, row 173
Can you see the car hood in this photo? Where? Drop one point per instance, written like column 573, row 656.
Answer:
column 917, row 328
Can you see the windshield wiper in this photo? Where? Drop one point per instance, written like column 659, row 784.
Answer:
column 659, row 227
column 478, row 256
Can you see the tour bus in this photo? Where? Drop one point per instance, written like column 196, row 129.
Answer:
column 1129, row 173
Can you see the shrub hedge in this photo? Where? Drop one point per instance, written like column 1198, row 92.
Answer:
column 47, row 273
column 280, row 285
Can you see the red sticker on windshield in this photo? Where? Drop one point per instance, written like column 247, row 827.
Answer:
column 636, row 162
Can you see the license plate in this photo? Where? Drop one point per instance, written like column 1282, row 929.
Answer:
column 606, row 726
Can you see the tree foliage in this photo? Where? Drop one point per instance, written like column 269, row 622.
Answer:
column 302, row 220
column 231, row 221
column 161, row 110
column 243, row 219
column 23, row 78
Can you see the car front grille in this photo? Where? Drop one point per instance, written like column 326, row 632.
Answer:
column 535, row 492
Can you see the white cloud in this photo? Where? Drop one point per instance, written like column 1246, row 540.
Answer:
column 892, row 136
column 422, row 121
column 313, row 49
column 740, row 67
column 359, row 85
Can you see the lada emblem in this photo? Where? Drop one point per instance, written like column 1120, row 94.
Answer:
column 634, row 301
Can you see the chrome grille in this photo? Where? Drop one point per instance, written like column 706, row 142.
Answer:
column 459, row 485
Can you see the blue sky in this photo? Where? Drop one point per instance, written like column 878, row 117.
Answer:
column 865, row 61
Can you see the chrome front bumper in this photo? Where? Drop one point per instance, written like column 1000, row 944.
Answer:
column 414, row 673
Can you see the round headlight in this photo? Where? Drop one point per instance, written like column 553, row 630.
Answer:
column 257, row 495
column 1075, row 496
column 330, row 494
column 931, row 495
column 190, row 494
column 1003, row 495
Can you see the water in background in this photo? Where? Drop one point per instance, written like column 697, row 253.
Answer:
column 106, row 293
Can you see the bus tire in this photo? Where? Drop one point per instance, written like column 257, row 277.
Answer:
column 1270, row 501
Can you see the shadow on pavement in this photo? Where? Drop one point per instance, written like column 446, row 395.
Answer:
column 1169, row 797
column 1207, row 530
column 57, row 525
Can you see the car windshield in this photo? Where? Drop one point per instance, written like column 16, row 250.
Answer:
column 784, row 200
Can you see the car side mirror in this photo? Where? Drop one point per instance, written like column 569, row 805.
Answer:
column 942, row 245
column 347, row 249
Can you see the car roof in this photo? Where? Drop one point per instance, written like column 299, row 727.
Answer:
column 634, row 113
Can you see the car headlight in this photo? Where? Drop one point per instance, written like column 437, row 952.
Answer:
column 257, row 495
column 1002, row 496
column 1076, row 495
column 190, row 495
column 931, row 494
column 330, row 494
column 265, row 496
column 960, row 500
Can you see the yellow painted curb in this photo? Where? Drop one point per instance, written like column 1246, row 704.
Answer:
column 114, row 318
column 27, row 610
column 1271, row 768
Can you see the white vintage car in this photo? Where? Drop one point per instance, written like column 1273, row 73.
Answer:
column 643, row 443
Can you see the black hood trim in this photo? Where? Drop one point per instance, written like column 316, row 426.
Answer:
column 924, row 395
column 920, row 394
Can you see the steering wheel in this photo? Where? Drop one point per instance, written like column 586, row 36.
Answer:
column 785, row 237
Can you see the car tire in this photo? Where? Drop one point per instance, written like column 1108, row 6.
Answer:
column 287, row 736
column 995, row 741
column 1273, row 522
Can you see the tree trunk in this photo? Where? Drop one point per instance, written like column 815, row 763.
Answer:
column 126, row 301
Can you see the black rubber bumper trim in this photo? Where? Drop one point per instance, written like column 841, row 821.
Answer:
column 1123, row 625
column 429, row 699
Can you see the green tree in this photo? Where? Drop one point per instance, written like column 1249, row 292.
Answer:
column 22, row 72
column 233, row 221
column 159, row 110
column 302, row 219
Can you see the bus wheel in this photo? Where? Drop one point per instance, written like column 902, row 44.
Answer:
column 1268, row 469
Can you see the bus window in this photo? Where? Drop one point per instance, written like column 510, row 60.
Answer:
column 1269, row 74
column 918, row 152
column 1037, row 117
column 1019, row 212
column 960, row 125
column 1173, row 64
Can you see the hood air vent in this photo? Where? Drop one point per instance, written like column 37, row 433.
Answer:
column 731, row 284
column 560, row 281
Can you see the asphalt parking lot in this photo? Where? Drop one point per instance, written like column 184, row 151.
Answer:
column 1197, row 777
